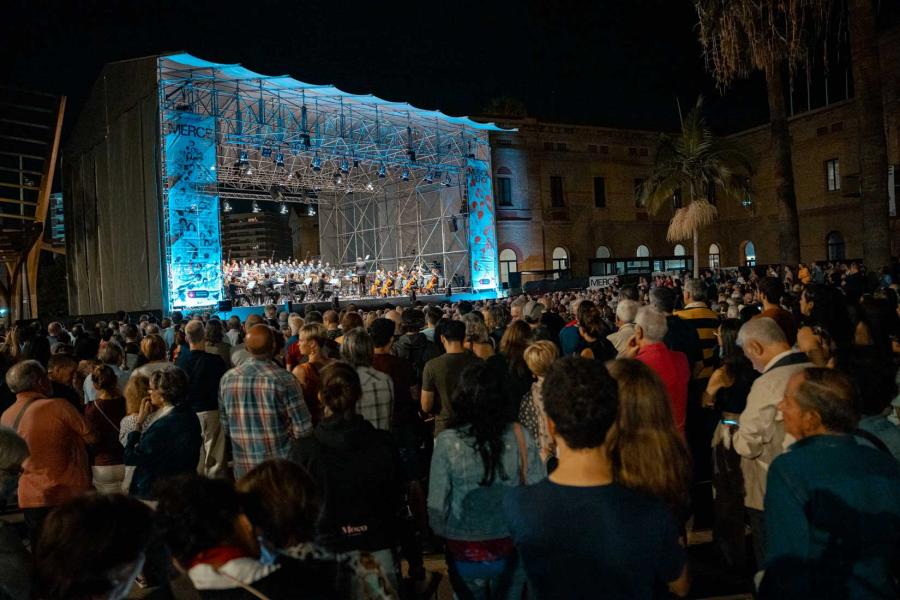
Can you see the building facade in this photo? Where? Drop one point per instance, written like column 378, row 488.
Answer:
column 567, row 193
column 255, row 236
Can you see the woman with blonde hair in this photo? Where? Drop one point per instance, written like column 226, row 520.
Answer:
column 646, row 449
column 309, row 343
column 477, row 338
column 137, row 388
column 153, row 348
column 538, row 356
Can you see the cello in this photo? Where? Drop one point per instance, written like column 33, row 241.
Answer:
column 432, row 283
column 388, row 284
column 376, row 284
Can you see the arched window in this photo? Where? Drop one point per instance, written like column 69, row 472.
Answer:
column 642, row 251
column 749, row 252
column 603, row 252
column 509, row 263
column 560, row 258
column 679, row 250
column 713, row 256
column 834, row 245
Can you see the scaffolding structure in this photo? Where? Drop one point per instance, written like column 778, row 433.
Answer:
column 388, row 179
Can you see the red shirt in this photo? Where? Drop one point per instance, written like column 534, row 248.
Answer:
column 672, row 368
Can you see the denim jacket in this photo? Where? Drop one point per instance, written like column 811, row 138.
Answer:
column 458, row 507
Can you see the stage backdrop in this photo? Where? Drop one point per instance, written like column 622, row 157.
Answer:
column 194, row 246
column 482, row 228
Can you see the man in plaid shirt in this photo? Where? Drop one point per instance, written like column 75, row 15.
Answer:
column 377, row 402
column 261, row 405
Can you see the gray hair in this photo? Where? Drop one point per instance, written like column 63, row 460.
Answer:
column 358, row 348
column 763, row 330
column 13, row 450
column 653, row 323
column 25, row 376
column 695, row 289
column 295, row 322
column 476, row 331
column 172, row 384
column 626, row 310
column 662, row 299
column 194, row 332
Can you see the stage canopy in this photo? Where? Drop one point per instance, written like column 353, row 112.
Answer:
column 382, row 173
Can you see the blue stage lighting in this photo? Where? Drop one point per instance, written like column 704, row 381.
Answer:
column 382, row 171
column 316, row 163
column 429, row 177
column 345, row 166
column 279, row 160
column 405, row 175
column 266, row 152
column 256, row 208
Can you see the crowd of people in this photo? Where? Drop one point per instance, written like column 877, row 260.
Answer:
column 551, row 446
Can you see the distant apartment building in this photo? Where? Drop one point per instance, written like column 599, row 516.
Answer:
column 255, row 236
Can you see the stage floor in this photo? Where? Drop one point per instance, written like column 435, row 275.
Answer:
column 242, row 312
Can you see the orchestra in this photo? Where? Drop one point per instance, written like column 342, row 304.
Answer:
column 251, row 283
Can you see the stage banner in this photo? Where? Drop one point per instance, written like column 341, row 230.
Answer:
column 193, row 242
column 603, row 281
column 482, row 228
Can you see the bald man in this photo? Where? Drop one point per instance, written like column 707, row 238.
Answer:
column 261, row 405
column 239, row 353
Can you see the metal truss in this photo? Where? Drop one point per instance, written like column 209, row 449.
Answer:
column 389, row 179
column 410, row 225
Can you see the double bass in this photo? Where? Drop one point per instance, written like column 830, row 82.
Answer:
column 376, row 284
column 388, row 284
column 432, row 283
column 410, row 283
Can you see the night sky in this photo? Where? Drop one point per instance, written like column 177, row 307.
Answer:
column 615, row 63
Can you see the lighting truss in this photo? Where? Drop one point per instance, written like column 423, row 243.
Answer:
column 276, row 131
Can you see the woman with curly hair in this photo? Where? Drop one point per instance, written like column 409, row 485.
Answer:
column 480, row 456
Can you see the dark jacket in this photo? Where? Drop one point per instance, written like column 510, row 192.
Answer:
column 205, row 371
column 170, row 446
column 417, row 350
column 359, row 475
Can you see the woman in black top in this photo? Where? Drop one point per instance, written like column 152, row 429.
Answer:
column 593, row 331
column 727, row 393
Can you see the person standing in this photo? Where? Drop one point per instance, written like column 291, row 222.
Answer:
column 579, row 533
column 57, row 436
column 771, row 290
column 377, row 402
column 759, row 436
column 261, row 405
column 441, row 375
column 104, row 415
column 205, row 372
column 166, row 440
column 832, row 505
column 672, row 367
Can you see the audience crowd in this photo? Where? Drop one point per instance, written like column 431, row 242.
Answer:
column 558, row 445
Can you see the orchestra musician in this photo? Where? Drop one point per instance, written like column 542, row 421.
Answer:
column 388, row 286
column 432, row 283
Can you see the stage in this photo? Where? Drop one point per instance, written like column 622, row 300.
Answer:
column 368, row 304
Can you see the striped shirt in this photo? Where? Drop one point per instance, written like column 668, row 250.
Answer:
column 706, row 322
column 262, row 409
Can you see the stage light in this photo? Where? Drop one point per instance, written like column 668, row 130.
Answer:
column 256, row 208
column 447, row 180
column 279, row 160
column 304, row 137
column 405, row 175
column 345, row 166
column 284, row 209
column 312, row 210
column 266, row 152
column 242, row 159
column 276, row 193
column 429, row 178
column 370, row 187
column 316, row 163
column 249, row 170
column 212, row 168
column 338, row 179
column 226, row 206
column 382, row 171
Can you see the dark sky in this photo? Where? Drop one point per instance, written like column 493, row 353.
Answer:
column 617, row 63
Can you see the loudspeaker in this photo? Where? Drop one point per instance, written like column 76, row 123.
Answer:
column 515, row 283
column 224, row 306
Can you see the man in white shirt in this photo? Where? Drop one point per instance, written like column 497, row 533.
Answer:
column 626, row 311
column 760, row 437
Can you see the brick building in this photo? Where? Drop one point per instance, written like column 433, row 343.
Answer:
column 566, row 193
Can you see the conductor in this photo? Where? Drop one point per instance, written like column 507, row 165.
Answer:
column 362, row 271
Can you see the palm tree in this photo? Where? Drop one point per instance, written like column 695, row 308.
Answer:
column 689, row 164
column 742, row 36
